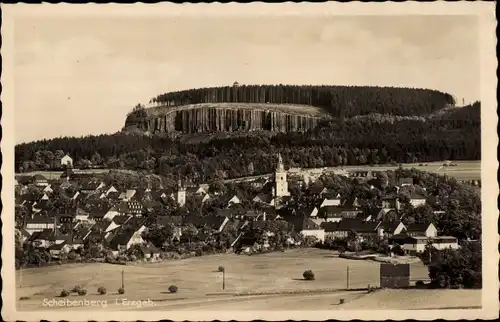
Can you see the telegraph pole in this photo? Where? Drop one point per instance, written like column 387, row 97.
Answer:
column 224, row 278
column 347, row 277
column 123, row 284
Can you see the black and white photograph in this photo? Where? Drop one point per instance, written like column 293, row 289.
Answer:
column 213, row 161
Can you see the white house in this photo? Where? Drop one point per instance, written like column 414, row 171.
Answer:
column 330, row 202
column 417, row 244
column 426, row 230
column 125, row 239
column 39, row 223
column 66, row 161
column 111, row 213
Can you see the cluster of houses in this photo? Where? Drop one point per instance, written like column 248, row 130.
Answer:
column 115, row 217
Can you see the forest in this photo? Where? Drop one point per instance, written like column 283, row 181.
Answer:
column 372, row 139
column 339, row 101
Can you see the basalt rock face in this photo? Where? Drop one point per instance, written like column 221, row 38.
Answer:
column 219, row 119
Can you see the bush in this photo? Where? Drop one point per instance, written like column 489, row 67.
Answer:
column 102, row 290
column 420, row 283
column 64, row 293
column 24, row 298
column 76, row 289
column 221, row 268
column 172, row 289
column 82, row 292
column 308, row 275
column 121, row 290
column 398, row 250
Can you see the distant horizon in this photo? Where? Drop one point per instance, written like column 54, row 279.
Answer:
column 80, row 76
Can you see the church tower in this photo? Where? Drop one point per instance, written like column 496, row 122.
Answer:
column 280, row 181
column 181, row 194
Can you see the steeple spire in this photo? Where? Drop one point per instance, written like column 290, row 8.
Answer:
column 280, row 166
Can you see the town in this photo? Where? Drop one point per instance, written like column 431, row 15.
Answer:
column 83, row 216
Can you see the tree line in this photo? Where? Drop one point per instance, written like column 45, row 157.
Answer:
column 339, row 101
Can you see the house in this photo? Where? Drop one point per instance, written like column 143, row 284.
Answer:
column 39, row 180
column 24, row 235
column 306, row 226
column 390, row 201
column 90, row 186
column 343, row 228
column 232, row 201
column 311, row 212
column 23, row 180
column 392, row 228
column 36, row 223
column 56, row 249
column 405, row 182
column 264, row 198
column 226, row 212
column 207, row 222
column 125, row 238
column 65, row 161
column 110, row 190
column 386, row 214
column 336, row 201
column 130, row 208
column 47, row 238
column 196, row 191
column 150, row 252
column 111, row 213
column 127, row 195
column 252, row 215
column 417, row 199
column 337, row 213
column 427, row 230
column 48, row 189
column 417, row 244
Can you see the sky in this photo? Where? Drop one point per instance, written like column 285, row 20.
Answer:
column 81, row 76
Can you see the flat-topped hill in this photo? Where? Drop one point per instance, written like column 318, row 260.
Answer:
column 277, row 108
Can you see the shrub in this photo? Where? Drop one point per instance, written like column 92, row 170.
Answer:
column 23, row 298
column 82, row 292
column 121, row 290
column 64, row 293
column 172, row 289
column 76, row 289
column 420, row 283
column 308, row 275
column 221, row 268
column 102, row 290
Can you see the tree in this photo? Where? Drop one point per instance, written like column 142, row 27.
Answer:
column 190, row 231
column 457, row 268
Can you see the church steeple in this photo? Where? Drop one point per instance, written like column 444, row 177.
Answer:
column 280, row 167
column 280, row 181
column 181, row 193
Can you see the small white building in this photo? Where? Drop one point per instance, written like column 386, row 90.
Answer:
column 66, row 161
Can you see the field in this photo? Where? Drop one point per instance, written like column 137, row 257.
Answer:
column 464, row 170
column 251, row 282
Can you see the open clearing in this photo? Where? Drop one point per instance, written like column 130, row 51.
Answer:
column 464, row 170
column 200, row 285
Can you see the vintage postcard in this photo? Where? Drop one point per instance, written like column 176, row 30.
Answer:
column 243, row 162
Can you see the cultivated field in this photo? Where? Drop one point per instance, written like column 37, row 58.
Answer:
column 464, row 170
column 200, row 284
